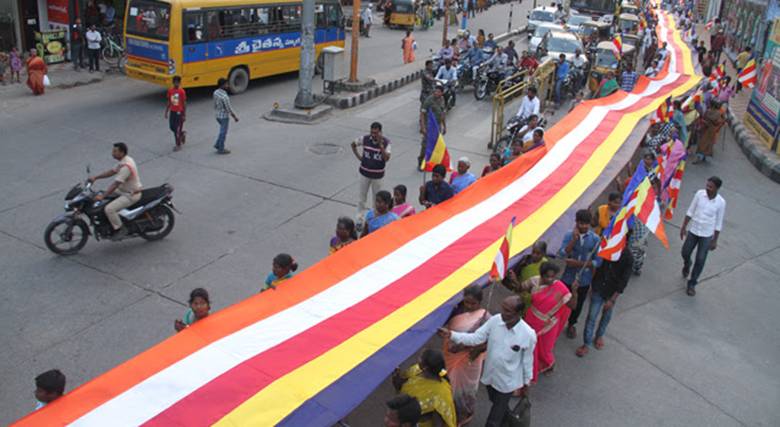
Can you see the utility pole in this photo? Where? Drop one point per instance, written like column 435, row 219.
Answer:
column 446, row 21
column 509, row 26
column 305, row 97
column 355, row 36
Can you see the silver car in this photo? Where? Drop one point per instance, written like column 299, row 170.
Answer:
column 539, row 33
column 539, row 16
column 555, row 43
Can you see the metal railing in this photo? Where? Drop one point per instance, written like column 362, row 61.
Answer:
column 510, row 88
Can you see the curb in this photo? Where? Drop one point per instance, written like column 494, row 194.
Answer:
column 764, row 160
column 359, row 98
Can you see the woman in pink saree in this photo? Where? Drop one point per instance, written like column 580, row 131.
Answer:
column 464, row 364
column 407, row 45
column 547, row 315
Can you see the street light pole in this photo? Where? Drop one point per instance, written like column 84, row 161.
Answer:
column 305, row 97
column 446, row 21
column 355, row 36
column 509, row 26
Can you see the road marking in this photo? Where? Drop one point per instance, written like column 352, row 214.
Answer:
column 387, row 106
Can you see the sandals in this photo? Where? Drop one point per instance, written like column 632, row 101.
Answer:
column 599, row 343
column 581, row 351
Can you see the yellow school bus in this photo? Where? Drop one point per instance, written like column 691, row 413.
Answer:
column 205, row 40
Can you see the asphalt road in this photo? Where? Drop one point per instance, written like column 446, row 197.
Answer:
column 670, row 359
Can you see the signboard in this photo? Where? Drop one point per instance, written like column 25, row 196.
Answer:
column 763, row 112
column 58, row 11
column 51, row 45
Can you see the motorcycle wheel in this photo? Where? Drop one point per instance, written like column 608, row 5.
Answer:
column 63, row 238
column 480, row 90
column 165, row 215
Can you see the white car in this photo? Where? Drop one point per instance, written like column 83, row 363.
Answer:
column 539, row 34
column 539, row 16
column 609, row 18
column 574, row 22
column 556, row 43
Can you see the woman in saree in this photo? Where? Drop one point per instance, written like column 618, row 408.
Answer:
column 550, row 307
column 711, row 122
column 464, row 364
column 36, row 69
column 428, row 383
column 407, row 45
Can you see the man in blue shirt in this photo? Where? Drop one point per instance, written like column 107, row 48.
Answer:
column 447, row 72
column 578, row 250
column 462, row 178
column 436, row 190
column 560, row 76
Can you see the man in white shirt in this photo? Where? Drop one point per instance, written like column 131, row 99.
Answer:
column 93, row 48
column 530, row 104
column 368, row 18
column 509, row 363
column 705, row 216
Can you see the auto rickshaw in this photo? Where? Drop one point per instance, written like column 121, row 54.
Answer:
column 605, row 60
column 400, row 14
column 628, row 24
column 593, row 32
column 629, row 7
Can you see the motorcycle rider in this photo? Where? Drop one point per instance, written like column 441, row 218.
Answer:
column 474, row 57
column 529, row 106
column 434, row 103
column 497, row 61
column 579, row 62
column 560, row 76
column 127, row 184
column 428, row 80
column 446, row 51
column 447, row 72
column 528, row 62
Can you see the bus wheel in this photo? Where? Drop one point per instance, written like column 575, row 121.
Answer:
column 238, row 80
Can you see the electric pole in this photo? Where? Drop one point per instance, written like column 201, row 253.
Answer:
column 355, row 36
column 305, row 97
column 446, row 21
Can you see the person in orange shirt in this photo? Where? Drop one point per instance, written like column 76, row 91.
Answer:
column 605, row 212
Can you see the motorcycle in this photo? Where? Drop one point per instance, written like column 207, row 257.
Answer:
column 511, row 131
column 151, row 218
column 465, row 76
column 488, row 79
column 449, row 93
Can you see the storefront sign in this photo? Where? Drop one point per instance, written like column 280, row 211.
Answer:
column 58, row 11
column 51, row 45
column 763, row 112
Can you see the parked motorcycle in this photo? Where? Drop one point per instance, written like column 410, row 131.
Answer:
column 151, row 218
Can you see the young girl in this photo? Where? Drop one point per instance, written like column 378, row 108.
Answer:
column 345, row 234
column 283, row 267
column 401, row 208
column 380, row 215
column 16, row 65
column 199, row 309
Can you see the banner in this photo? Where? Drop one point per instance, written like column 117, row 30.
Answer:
column 58, row 11
column 311, row 351
column 51, row 45
column 763, row 112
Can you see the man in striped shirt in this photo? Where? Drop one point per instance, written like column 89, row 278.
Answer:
column 223, row 111
column 628, row 78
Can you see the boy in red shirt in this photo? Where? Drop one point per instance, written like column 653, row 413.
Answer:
column 174, row 111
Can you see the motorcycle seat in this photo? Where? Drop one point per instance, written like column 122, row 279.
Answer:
column 151, row 194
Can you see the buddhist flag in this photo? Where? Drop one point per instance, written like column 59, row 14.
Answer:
column 500, row 264
column 664, row 112
column 708, row 25
column 674, row 189
column 747, row 77
column 435, row 151
column 649, row 212
column 614, row 237
column 718, row 73
column 693, row 101
column 617, row 45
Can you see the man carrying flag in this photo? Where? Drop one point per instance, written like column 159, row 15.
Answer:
column 578, row 251
column 435, row 152
column 433, row 106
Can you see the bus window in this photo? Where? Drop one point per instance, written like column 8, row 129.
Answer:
column 291, row 16
column 149, row 18
column 320, row 19
column 334, row 15
column 194, row 28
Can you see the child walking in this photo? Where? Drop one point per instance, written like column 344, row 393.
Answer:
column 16, row 65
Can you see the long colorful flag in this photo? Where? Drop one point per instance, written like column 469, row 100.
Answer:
column 310, row 352
column 501, row 262
column 747, row 77
column 435, row 150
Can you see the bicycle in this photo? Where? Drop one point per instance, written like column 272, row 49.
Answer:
column 113, row 53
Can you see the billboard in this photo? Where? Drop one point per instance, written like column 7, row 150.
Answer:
column 763, row 112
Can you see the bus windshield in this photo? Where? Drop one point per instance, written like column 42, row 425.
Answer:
column 594, row 6
column 149, row 18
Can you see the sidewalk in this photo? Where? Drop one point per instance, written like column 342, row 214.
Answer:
column 62, row 76
column 756, row 150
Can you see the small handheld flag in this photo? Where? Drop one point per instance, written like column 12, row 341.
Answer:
column 617, row 45
column 674, row 189
column 747, row 77
column 501, row 262
column 664, row 112
column 435, row 151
